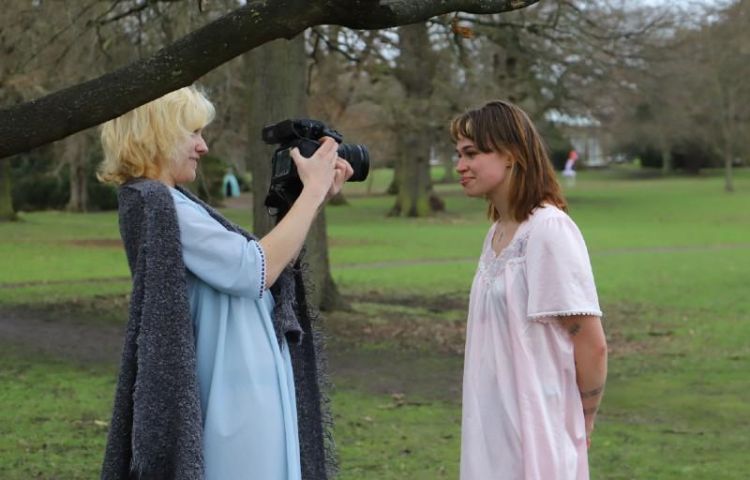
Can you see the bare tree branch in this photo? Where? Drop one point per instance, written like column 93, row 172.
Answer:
column 81, row 106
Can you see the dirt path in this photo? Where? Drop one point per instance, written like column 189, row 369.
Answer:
column 361, row 354
column 61, row 337
column 389, row 345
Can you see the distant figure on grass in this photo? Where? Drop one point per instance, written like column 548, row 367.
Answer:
column 536, row 355
column 569, row 170
column 206, row 387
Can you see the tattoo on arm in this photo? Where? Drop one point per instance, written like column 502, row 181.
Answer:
column 573, row 329
column 592, row 393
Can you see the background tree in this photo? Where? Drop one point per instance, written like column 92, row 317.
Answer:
column 148, row 25
column 15, row 83
column 67, row 42
column 556, row 59
column 6, row 200
column 84, row 105
column 278, row 91
column 682, row 101
column 720, row 100
column 415, row 70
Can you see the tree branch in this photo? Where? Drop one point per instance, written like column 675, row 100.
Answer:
column 81, row 106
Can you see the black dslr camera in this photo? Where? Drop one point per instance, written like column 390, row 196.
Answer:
column 304, row 134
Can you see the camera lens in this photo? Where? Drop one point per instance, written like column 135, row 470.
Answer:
column 358, row 157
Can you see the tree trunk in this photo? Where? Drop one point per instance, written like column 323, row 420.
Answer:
column 79, row 199
column 393, row 187
column 323, row 292
column 728, row 182
column 666, row 159
column 74, row 153
column 413, row 173
column 277, row 88
column 6, row 194
column 729, row 136
column 278, row 73
column 415, row 72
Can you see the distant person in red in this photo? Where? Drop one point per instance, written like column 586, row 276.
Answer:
column 570, row 163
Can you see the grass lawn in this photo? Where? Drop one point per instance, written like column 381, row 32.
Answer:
column 670, row 256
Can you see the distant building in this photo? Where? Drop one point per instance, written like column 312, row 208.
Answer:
column 588, row 144
column 586, row 136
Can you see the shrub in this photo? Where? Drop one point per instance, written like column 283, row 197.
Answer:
column 36, row 184
column 39, row 183
column 692, row 156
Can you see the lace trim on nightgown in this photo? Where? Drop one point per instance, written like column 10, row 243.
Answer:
column 550, row 317
column 491, row 265
column 563, row 313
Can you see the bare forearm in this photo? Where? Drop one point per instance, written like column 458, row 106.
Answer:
column 282, row 244
column 591, row 375
column 322, row 175
column 590, row 352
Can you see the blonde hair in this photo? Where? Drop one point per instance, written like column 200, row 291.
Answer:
column 141, row 142
column 502, row 127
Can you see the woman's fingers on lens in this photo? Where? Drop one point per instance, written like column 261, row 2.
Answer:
column 345, row 168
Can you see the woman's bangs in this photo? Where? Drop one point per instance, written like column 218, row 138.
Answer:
column 198, row 113
column 461, row 128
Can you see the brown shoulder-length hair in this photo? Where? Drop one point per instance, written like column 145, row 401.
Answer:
column 502, row 127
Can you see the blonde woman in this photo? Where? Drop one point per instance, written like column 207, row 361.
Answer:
column 206, row 386
column 536, row 355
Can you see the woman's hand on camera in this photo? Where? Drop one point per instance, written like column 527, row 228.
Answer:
column 343, row 171
column 319, row 171
column 322, row 175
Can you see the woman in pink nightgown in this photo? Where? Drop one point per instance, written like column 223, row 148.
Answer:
column 536, row 355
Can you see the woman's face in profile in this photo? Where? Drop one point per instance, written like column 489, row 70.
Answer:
column 183, row 165
column 482, row 173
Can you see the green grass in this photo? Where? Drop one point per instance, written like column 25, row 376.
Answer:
column 383, row 438
column 53, row 418
column 670, row 256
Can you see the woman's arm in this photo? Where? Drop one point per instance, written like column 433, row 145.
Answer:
column 590, row 352
column 322, row 176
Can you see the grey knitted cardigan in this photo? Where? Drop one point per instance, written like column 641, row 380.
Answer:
column 156, row 427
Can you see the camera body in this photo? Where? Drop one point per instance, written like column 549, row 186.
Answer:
column 304, row 134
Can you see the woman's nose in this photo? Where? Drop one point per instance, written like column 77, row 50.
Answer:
column 201, row 147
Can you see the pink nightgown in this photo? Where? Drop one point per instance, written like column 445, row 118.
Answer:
column 522, row 413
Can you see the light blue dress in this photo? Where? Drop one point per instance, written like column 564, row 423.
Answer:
column 245, row 377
